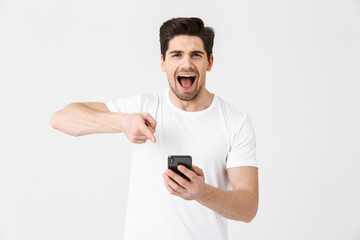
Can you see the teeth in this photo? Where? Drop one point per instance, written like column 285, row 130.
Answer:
column 186, row 76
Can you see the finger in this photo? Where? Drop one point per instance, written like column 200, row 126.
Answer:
column 140, row 137
column 151, row 129
column 176, row 178
column 173, row 185
column 139, row 141
column 197, row 170
column 170, row 190
column 149, row 134
column 187, row 172
column 150, row 120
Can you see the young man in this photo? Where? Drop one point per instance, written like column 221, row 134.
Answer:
column 185, row 119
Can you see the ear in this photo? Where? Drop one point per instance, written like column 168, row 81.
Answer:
column 163, row 63
column 211, row 61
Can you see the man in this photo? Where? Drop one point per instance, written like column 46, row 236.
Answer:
column 185, row 119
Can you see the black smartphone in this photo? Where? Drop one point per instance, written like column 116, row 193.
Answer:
column 175, row 160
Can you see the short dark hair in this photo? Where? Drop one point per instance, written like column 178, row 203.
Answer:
column 186, row 26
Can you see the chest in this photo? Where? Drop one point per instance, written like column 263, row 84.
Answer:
column 204, row 137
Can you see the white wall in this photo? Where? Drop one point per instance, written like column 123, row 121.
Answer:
column 294, row 66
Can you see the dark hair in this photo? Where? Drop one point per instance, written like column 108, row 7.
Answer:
column 186, row 26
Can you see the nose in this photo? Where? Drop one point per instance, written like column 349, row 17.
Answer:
column 187, row 61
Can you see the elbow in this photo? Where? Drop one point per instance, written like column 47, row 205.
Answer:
column 246, row 218
column 251, row 215
column 249, row 219
column 54, row 121
column 58, row 122
column 247, row 214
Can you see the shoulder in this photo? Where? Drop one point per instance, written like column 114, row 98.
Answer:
column 234, row 116
column 142, row 102
column 149, row 97
column 149, row 102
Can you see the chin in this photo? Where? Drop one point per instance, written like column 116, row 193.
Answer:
column 186, row 96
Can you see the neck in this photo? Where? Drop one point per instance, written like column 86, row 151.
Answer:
column 201, row 102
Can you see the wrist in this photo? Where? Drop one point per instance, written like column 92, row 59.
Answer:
column 111, row 122
column 119, row 122
column 208, row 191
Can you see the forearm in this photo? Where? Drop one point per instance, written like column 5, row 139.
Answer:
column 238, row 205
column 77, row 119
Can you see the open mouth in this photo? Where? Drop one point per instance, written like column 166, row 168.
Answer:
column 186, row 80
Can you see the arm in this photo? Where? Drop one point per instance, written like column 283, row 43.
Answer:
column 241, row 203
column 78, row 119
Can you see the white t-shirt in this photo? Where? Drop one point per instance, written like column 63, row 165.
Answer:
column 217, row 138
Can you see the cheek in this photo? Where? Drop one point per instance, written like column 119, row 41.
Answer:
column 170, row 76
column 171, row 72
column 203, row 70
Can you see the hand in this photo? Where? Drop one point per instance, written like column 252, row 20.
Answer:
column 193, row 190
column 139, row 127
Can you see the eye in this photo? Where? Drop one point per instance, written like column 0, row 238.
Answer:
column 197, row 55
column 176, row 55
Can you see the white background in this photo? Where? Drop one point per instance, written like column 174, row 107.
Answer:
column 294, row 66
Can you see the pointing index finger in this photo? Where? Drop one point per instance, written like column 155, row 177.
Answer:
column 149, row 133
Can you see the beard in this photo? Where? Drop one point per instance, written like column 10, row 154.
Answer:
column 188, row 96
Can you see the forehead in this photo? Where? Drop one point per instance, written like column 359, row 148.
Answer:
column 186, row 43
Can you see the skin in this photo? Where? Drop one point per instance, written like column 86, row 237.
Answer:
column 186, row 54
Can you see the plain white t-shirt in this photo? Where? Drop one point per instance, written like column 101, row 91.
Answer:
column 217, row 138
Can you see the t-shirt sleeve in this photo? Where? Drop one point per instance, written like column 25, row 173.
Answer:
column 242, row 150
column 124, row 105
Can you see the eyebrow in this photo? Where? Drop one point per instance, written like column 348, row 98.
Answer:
column 193, row 52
